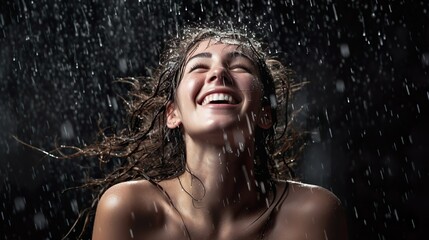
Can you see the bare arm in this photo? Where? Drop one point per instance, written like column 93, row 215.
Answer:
column 330, row 216
column 337, row 226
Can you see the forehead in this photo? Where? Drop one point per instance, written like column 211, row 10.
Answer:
column 221, row 47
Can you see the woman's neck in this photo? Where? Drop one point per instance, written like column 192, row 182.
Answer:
column 220, row 178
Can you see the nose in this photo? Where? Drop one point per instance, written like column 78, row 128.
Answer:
column 218, row 75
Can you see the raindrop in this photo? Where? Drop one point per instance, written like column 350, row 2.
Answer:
column 239, row 138
column 345, row 50
column 131, row 233
column 123, row 65
column 227, row 145
column 335, row 12
column 249, row 125
column 273, row 101
column 340, row 86
column 407, row 89
column 67, row 130
column 246, row 176
column 19, row 203
column 99, row 40
column 410, row 139
column 74, row 206
column 356, row 213
column 425, row 59
column 315, row 136
column 109, row 102
column 263, row 187
column 327, row 115
column 40, row 221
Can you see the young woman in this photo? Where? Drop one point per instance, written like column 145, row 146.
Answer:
column 206, row 151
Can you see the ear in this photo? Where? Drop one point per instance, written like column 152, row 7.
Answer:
column 173, row 116
column 265, row 120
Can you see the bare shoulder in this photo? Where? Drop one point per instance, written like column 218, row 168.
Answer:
column 314, row 198
column 128, row 195
column 121, row 207
column 312, row 210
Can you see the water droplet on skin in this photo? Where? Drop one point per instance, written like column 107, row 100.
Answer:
column 246, row 176
column 227, row 147
column 241, row 146
column 249, row 125
column 154, row 205
column 239, row 140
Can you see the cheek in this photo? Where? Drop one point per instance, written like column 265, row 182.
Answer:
column 247, row 81
column 251, row 85
column 188, row 90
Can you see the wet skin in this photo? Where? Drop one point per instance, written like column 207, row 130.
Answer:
column 224, row 200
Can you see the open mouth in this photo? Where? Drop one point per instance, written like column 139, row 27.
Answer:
column 218, row 98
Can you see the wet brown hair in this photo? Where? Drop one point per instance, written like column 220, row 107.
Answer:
column 150, row 150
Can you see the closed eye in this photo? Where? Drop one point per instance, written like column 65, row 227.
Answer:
column 198, row 66
column 240, row 68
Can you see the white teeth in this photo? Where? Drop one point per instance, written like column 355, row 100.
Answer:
column 218, row 97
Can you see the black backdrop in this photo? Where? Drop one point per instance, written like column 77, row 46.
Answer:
column 366, row 105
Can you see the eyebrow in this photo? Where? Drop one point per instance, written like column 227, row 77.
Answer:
column 233, row 54
column 200, row 55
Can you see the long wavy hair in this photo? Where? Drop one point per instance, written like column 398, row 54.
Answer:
column 149, row 150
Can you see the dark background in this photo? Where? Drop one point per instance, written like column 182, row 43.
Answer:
column 366, row 106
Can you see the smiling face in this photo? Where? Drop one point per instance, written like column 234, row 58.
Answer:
column 219, row 91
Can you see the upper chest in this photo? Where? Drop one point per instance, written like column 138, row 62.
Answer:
column 275, row 225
